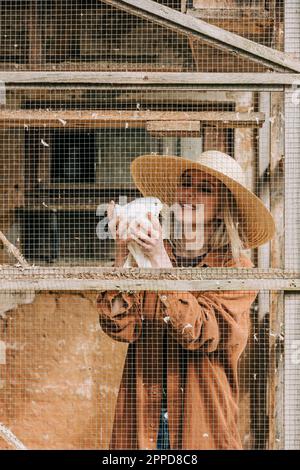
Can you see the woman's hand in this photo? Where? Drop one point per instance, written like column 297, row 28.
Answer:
column 121, row 243
column 149, row 239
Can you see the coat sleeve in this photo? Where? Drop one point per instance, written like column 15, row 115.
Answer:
column 120, row 314
column 210, row 319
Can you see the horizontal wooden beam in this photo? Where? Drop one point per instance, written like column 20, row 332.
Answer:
column 237, row 14
column 135, row 279
column 150, row 78
column 79, row 186
column 97, row 65
column 199, row 29
column 173, row 128
column 132, row 285
column 101, row 118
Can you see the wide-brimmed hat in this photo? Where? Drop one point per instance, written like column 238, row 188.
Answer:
column 159, row 175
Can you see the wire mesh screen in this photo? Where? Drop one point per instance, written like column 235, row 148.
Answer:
column 144, row 256
column 101, row 36
column 71, row 149
column 60, row 386
column 70, row 153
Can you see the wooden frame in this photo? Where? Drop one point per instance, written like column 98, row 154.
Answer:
column 208, row 80
column 174, row 128
column 199, row 29
column 292, row 261
column 101, row 118
column 288, row 280
column 292, row 238
column 137, row 279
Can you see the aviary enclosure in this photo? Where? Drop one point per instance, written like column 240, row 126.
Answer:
column 86, row 86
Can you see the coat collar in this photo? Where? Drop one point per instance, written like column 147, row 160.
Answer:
column 212, row 258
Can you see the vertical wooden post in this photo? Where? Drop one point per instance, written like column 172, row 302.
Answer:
column 292, row 261
column 34, row 34
column 260, row 342
column 276, row 321
column 183, row 6
column 292, row 234
column 271, row 312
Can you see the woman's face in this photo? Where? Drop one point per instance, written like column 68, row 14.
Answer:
column 195, row 188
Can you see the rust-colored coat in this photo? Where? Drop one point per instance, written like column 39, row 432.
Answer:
column 211, row 328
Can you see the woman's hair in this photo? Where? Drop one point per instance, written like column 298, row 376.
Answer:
column 228, row 231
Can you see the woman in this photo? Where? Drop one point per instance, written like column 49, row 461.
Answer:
column 179, row 387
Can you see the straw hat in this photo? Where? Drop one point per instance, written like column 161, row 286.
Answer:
column 159, row 175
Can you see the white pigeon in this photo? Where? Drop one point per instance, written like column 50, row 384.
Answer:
column 136, row 212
